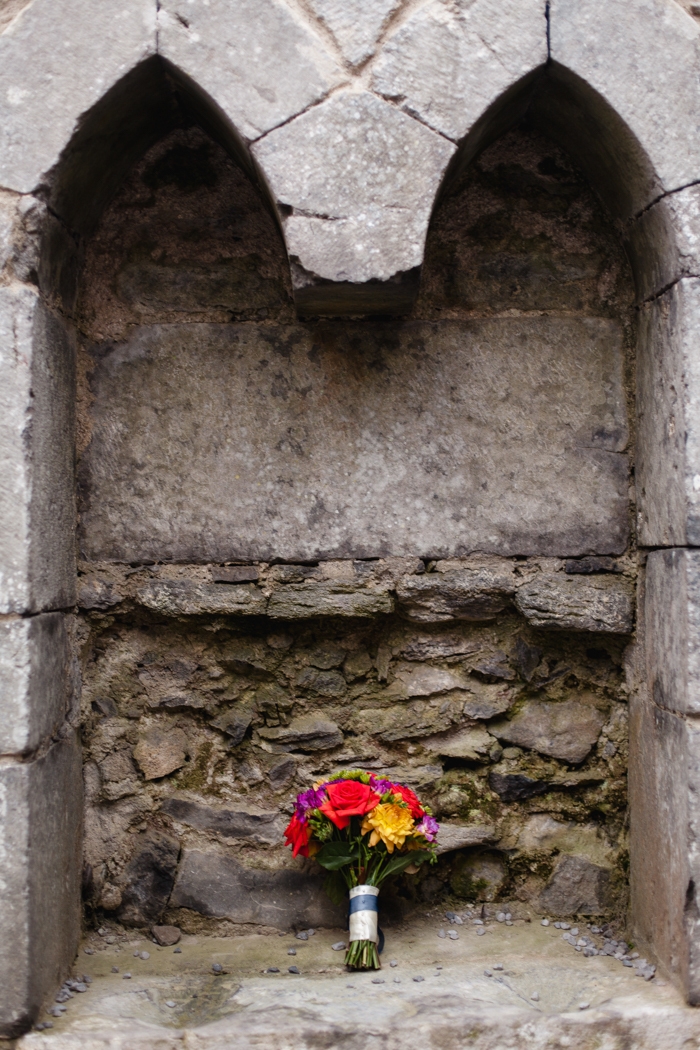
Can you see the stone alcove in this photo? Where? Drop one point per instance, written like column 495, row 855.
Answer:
column 307, row 543
column 119, row 131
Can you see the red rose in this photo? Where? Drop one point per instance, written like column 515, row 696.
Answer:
column 297, row 836
column 348, row 798
column 411, row 800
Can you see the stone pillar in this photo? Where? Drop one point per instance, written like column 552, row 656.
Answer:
column 40, row 776
column 665, row 770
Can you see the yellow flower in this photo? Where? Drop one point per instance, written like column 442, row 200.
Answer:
column 389, row 822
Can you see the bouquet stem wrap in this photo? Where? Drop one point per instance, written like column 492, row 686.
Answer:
column 364, row 913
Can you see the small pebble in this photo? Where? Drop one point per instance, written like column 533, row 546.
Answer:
column 488, row 973
column 478, row 922
column 377, row 980
column 480, row 932
column 293, row 951
column 393, row 963
column 564, row 926
column 170, row 1003
column 115, row 969
column 508, row 916
column 270, row 969
column 48, row 1024
column 545, row 922
column 442, row 934
column 339, row 946
column 349, row 985
column 126, row 976
column 177, row 951
column 557, row 925
column 85, row 979
column 310, row 933
column 627, row 962
column 583, row 1006
column 218, row 968
column 501, row 917
column 80, row 987
column 136, row 954
column 438, row 967
column 459, row 920
column 102, row 931
column 418, row 979
column 144, row 955
column 509, row 922
column 88, row 951
column 397, row 980
column 535, row 997
column 450, row 915
column 498, row 966
column 294, row 969
column 453, row 935
column 574, row 931
column 302, row 935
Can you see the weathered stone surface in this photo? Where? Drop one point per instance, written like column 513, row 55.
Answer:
column 664, row 771
column 478, row 593
column 471, row 743
column 161, row 751
column 514, row 787
column 673, row 629
column 40, row 818
column 61, row 44
column 215, row 47
column 33, row 680
column 543, row 832
column 371, row 223
column 375, row 418
column 576, row 603
column 263, row 828
column 307, row 600
column 460, row 836
column 577, row 887
column 235, row 721
column 182, row 597
column 220, row 886
column 97, row 593
column 425, row 680
column 166, row 935
column 478, row 876
column 355, row 24
column 566, row 730
column 447, row 64
column 36, row 437
column 583, row 40
column 668, row 480
column 664, row 242
column 149, row 880
column 305, row 733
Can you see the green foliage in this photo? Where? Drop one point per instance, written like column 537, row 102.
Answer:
column 336, row 855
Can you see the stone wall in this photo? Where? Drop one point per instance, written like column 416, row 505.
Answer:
column 397, row 542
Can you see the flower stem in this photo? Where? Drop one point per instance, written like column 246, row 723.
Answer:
column 362, row 955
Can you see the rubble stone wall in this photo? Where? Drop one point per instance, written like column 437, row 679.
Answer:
column 401, row 543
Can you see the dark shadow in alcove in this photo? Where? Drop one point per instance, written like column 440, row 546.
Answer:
column 145, row 105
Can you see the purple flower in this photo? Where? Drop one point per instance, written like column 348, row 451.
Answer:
column 380, row 786
column 428, row 828
column 311, row 799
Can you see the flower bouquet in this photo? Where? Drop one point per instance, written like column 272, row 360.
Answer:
column 362, row 829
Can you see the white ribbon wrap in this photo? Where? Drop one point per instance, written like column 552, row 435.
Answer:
column 363, row 922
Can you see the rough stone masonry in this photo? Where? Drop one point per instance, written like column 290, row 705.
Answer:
column 404, row 543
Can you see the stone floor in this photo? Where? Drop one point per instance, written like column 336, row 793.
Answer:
column 437, row 995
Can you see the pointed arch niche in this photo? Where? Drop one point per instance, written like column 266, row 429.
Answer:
column 154, row 147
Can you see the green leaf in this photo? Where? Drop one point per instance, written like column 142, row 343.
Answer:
column 401, row 861
column 334, row 885
column 335, row 855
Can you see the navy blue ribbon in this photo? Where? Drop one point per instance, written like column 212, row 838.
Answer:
column 364, row 902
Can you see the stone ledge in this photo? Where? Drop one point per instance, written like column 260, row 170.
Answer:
column 474, row 589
